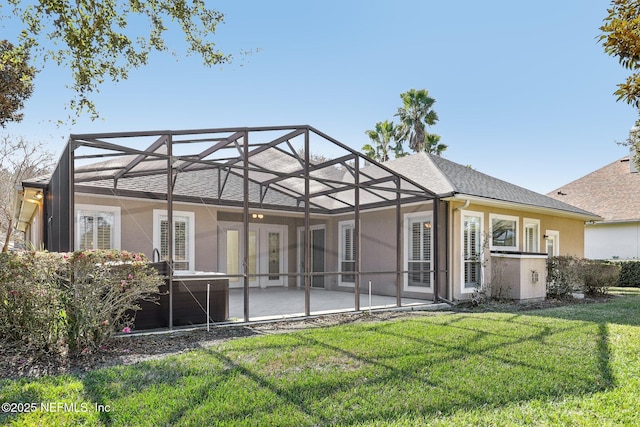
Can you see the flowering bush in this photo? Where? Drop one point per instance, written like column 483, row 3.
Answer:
column 57, row 301
column 104, row 291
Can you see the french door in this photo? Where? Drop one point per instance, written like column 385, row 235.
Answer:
column 267, row 253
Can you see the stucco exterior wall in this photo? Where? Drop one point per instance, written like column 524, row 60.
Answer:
column 378, row 249
column 519, row 277
column 571, row 238
column 612, row 241
column 136, row 222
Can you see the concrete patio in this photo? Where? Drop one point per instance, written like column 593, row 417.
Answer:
column 280, row 303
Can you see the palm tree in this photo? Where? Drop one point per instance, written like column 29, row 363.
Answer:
column 383, row 136
column 415, row 115
column 432, row 144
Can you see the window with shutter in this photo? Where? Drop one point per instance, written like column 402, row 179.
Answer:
column 420, row 250
column 347, row 253
column 183, row 238
column 418, row 255
column 531, row 235
column 472, row 250
column 97, row 227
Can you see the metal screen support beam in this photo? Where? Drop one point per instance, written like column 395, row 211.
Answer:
column 356, row 238
column 398, row 245
column 245, row 220
column 307, row 232
column 72, row 197
column 436, row 245
column 170, row 225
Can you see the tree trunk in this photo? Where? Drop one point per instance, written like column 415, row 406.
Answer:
column 5, row 248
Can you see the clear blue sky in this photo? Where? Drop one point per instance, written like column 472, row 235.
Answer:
column 523, row 89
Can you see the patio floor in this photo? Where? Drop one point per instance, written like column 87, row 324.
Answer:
column 280, row 302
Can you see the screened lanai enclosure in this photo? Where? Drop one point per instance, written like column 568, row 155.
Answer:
column 279, row 221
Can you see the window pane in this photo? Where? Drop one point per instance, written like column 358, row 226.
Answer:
column 503, row 232
column 531, row 237
column 181, row 255
column 103, row 230
column 180, row 246
column 85, row 230
column 95, row 230
column 419, row 263
column 233, row 260
column 274, row 256
column 348, row 263
column 426, row 241
column 472, row 251
column 164, row 240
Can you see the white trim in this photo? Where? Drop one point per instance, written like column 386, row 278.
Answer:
column 556, row 235
column 463, row 288
column 341, row 226
column 158, row 215
column 525, row 222
column 522, row 206
column 516, row 238
column 426, row 215
column 116, row 236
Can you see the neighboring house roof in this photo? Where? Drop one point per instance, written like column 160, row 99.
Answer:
column 449, row 178
column 613, row 192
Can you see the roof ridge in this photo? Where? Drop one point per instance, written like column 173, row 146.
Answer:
column 444, row 175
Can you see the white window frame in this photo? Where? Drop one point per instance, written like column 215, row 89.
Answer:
column 115, row 210
column 556, row 235
column 341, row 226
column 158, row 215
column 528, row 222
column 516, row 231
column 464, row 289
column 427, row 216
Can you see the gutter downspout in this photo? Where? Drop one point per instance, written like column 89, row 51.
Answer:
column 467, row 202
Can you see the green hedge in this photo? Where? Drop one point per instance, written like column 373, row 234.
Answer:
column 55, row 303
column 629, row 273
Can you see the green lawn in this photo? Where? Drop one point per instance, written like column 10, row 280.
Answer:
column 573, row 365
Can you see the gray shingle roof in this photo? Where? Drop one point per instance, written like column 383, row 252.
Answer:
column 447, row 177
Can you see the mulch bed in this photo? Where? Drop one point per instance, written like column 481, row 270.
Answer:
column 16, row 361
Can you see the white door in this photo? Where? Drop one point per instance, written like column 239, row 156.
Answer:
column 267, row 253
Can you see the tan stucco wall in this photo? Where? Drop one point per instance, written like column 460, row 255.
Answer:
column 137, row 226
column 378, row 249
column 571, row 239
column 512, row 277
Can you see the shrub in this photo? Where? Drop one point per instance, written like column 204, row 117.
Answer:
column 31, row 311
column 598, row 277
column 563, row 275
column 51, row 302
column 629, row 274
column 103, row 293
